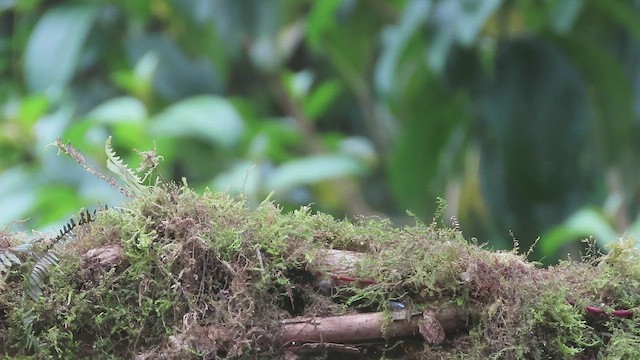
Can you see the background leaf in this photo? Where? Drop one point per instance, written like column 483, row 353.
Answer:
column 54, row 48
column 612, row 92
column 176, row 75
column 116, row 110
column 518, row 113
column 535, row 143
column 582, row 224
column 312, row 170
column 209, row 118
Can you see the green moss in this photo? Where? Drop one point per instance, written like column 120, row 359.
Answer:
column 202, row 275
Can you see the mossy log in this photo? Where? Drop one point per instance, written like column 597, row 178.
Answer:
column 174, row 274
column 342, row 329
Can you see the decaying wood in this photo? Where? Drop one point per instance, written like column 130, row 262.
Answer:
column 349, row 329
column 339, row 267
column 106, row 256
column 340, row 262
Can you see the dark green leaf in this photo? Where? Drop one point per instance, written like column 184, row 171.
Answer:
column 621, row 12
column 457, row 22
column 322, row 19
column 536, row 151
column 177, row 75
column 423, row 154
column 395, row 39
column 612, row 91
column 321, row 99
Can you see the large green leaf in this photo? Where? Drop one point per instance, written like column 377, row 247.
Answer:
column 117, row 110
column 457, row 22
column 584, row 223
column 125, row 117
column 321, row 99
column 395, row 39
column 473, row 15
column 54, row 47
column 320, row 21
column 622, row 12
column 209, row 118
column 311, row 170
column 564, row 13
column 330, row 21
column 55, row 202
column 612, row 93
column 176, row 75
column 558, row 15
column 423, row 154
column 536, row 151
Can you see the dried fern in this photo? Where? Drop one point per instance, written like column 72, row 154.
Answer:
column 134, row 186
column 34, row 282
column 79, row 158
column 9, row 258
column 118, row 167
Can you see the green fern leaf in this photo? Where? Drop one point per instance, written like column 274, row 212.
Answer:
column 118, row 167
column 34, row 282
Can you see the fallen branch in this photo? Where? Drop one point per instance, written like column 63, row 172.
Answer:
column 350, row 329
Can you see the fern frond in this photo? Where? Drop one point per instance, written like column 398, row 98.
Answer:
column 34, row 282
column 7, row 260
column 8, row 257
column 118, row 167
column 22, row 248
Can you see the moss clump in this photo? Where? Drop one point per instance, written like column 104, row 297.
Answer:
column 203, row 276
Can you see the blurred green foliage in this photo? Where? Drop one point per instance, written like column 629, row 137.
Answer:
column 522, row 114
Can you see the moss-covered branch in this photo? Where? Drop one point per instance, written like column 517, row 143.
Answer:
column 186, row 275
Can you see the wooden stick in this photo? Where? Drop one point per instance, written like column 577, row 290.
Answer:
column 349, row 329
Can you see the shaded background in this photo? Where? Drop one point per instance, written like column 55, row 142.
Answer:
column 522, row 115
